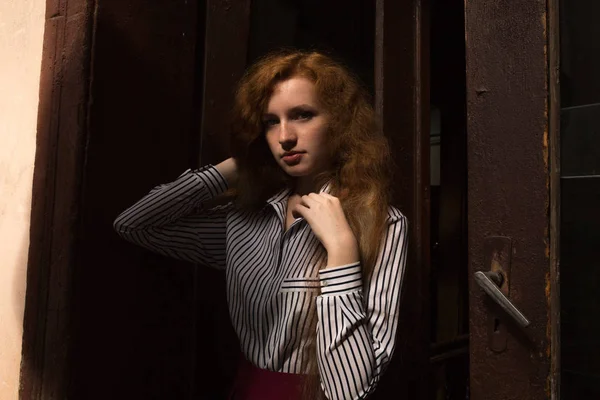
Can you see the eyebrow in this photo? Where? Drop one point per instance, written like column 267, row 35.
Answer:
column 300, row 107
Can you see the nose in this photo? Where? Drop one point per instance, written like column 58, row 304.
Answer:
column 287, row 135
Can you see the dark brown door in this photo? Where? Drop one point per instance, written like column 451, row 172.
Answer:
column 402, row 96
column 509, row 199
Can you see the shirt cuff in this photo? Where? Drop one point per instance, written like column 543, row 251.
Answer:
column 342, row 279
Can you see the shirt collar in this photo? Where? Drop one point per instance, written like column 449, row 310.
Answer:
column 283, row 194
column 279, row 197
column 326, row 188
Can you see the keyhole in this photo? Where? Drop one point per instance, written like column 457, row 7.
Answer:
column 496, row 325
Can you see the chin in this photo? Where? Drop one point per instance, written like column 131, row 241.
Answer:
column 296, row 171
column 295, row 174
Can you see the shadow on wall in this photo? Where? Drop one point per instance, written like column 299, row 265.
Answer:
column 20, row 277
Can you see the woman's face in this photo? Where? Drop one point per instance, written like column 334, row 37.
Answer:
column 296, row 128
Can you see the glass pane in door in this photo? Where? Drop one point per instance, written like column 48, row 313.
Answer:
column 580, row 199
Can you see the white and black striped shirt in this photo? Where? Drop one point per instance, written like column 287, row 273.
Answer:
column 275, row 279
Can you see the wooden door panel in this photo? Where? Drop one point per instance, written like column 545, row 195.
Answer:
column 105, row 319
column 508, row 192
column 402, row 101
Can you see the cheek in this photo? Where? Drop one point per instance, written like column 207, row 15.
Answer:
column 325, row 147
column 272, row 143
column 320, row 139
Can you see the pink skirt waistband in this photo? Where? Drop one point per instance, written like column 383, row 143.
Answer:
column 253, row 383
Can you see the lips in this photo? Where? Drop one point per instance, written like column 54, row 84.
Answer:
column 291, row 157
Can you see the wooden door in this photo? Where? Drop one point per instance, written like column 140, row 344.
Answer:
column 509, row 198
column 105, row 319
column 402, row 101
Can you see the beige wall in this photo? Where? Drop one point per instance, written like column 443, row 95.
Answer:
column 21, row 32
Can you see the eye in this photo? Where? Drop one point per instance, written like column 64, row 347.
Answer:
column 270, row 122
column 305, row 115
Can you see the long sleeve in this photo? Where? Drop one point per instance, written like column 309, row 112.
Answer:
column 356, row 331
column 170, row 220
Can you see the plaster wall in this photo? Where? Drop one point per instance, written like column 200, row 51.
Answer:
column 21, row 35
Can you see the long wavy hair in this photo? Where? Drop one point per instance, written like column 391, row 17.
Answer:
column 360, row 171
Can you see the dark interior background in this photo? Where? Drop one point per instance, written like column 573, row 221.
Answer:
column 343, row 29
column 135, row 326
column 580, row 196
column 449, row 378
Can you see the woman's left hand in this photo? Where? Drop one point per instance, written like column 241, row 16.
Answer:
column 325, row 215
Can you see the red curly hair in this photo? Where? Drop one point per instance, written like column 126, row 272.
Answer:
column 360, row 171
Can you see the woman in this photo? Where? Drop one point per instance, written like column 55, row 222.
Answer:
column 313, row 253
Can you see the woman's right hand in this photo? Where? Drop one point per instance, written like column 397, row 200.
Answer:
column 228, row 168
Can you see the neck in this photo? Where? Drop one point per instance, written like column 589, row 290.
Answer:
column 304, row 185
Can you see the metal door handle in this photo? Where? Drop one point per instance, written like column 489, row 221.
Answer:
column 490, row 282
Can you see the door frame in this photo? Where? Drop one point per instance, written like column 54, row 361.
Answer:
column 555, row 217
column 402, row 83
column 61, row 138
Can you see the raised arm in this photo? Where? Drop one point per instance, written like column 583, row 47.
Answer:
column 171, row 220
column 356, row 331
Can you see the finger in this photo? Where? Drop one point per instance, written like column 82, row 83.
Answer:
column 332, row 201
column 300, row 210
column 327, row 196
column 308, row 201
column 296, row 213
column 317, row 197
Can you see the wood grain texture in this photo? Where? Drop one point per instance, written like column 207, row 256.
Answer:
column 508, row 187
column 61, row 140
column 402, row 101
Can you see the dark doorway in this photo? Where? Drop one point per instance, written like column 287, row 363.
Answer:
column 345, row 30
column 146, row 326
column 139, row 325
column 449, row 284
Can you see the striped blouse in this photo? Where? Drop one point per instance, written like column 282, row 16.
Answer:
column 276, row 281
